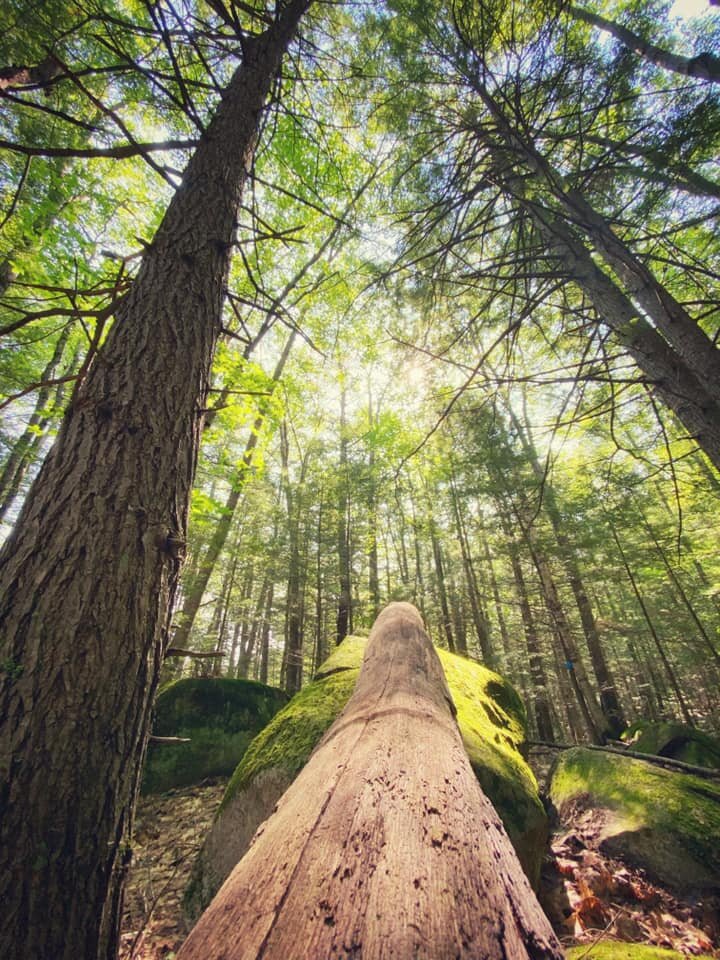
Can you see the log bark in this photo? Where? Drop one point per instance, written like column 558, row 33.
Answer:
column 385, row 845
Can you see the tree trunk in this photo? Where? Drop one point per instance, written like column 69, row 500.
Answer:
column 385, row 845
column 265, row 643
column 706, row 66
column 194, row 595
column 573, row 662
column 541, row 702
column 343, row 531
column 502, row 623
column 88, row 576
column 609, row 699
column 441, row 587
column 25, row 448
column 687, row 717
column 478, row 614
column 684, row 369
column 293, row 654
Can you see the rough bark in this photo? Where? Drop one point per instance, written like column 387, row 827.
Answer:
column 385, row 845
column 88, row 576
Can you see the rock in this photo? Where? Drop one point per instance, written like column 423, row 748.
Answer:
column 666, row 823
column 492, row 723
column 219, row 716
column 614, row 950
column 679, row 742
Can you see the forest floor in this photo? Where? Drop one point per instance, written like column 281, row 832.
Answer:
column 588, row 897
column 169, row 830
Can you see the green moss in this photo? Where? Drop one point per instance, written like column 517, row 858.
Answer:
column 491, row 718
column 219, row 716
column 667, row 822
column 290, row 737
column 347, row 656
column 679, row 741
column 613, row 950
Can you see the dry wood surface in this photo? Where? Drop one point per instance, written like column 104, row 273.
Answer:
column 385, row 845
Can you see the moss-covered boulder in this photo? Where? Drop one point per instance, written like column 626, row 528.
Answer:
column 219, row 716
column 491, row 719
column 614, row 950
column 664, row 822
column 677, row 741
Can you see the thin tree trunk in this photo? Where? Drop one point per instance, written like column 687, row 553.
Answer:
column 265, row 645
column 441, row 587
column 681, row 590
column 196, row 589
column 705, row 66
column 478, row 614
column 320, row 652
column 540, row 702
column 573, row 662
column 293, row 653
column 653, row 633
column 609, row 700
column 504, row 635
column 343, row 531
column 385, row 845
column 88, row 576
column 23, row 450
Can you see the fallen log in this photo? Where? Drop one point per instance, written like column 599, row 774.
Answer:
column 669, row 763
column 384, row 845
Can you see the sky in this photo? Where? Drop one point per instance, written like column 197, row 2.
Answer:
column 689, row 8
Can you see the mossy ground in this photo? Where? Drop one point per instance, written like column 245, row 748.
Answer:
column 613, row 950
column 219, row 716
column 671, row 821
column 491, row 719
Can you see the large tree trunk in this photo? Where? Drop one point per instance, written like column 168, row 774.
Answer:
column 88, row 577
column 678, row 358
column 385, row 845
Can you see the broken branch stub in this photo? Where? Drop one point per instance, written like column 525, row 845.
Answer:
column 384, row 845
